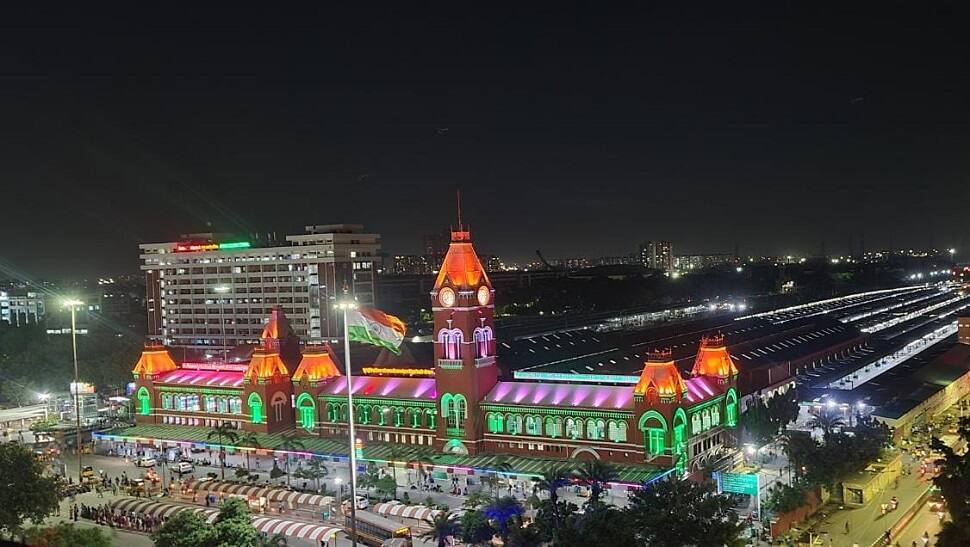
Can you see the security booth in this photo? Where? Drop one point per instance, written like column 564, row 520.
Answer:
column 862, row 487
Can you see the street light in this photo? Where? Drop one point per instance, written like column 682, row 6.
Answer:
column 73, row 304
column 347, row 304
column 44, row 398
column 222, row 289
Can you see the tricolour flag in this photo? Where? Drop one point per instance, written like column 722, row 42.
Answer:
column 372, row 326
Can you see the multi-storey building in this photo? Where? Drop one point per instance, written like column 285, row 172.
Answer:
column 657, row 255
column 459, row 404
column 207, row 293
column 22, row 307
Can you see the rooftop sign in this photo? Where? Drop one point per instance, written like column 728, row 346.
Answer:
column 198, row 247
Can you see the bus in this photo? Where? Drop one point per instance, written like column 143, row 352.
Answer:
column 377, row 531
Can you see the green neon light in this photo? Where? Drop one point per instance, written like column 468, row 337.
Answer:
column 385, row 402
column 256, row 408
column 144, row 401
column 559, row 411
column 234, row 245
column 569, row 377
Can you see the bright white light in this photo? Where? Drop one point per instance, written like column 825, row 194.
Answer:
column 752, row 450
column 43, row 396
column 712, row 307
column 861, row 405
column 830, row 403
column 953, row 252
column 739, row 269
column 742, row 306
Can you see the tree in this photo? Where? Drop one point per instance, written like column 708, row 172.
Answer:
column 475, row 528
column 595, row 473
column 276, row 540
column 954, row 483
column 369, row 478
column 290, row 442
column 184, row 529
column 67, row 535
column 443, row 526
column 249, row 439
column 234, row 525
column 316, row 471
column 386, row 486
column 25, row 492
column 223, row 433
column 551, row 482
column 798, row 447
column 605, row 526
column 672, row 513
column 503, row 510
column 827, row 422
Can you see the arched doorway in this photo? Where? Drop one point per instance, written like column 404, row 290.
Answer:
column 456, row 447
column 584, row 454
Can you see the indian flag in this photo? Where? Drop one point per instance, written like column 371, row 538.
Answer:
column 375, row 327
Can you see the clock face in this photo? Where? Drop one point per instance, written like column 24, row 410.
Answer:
column 447, row 297
column 483, row 295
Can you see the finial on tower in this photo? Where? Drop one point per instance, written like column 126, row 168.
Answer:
column 458, row 192
column 462, row 233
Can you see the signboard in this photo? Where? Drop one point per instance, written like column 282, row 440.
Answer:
column 737, row 483
column 198, row 247
column 218, row 367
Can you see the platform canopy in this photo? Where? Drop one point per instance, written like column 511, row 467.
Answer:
column 163, row 510
column 417, row 512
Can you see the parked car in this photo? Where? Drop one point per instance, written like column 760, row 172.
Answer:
column 182, row 467
column 145, row 462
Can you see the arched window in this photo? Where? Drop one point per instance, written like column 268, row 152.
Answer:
column 715, row 416
column 235, row 405
column 432, row 418
column 483, row 341
column 617, row 431
column 731, row 408
column 256, row 408
column 223, row 405
column 706, row 419
column 451, row 343
column 398, row 417
column 144, row 401
column 343, row 412
column 695, row 423
column 574, row 428
column 533, row 425
column 278, row 403
column 496, row 422
column 654, row 428
column 167, row 401
column 553, row 427
column 461, row 408
column 307, row 411
column 514, row 424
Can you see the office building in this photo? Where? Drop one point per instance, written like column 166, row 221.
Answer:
column 211, row 292
column 22, row 307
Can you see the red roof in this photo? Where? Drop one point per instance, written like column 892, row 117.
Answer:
column 317, row 363
column 561, row 395
column 660, row 373
column 154, row 359
column 713, row 359
column 461, row 268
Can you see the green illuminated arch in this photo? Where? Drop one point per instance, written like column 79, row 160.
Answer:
column 446, row 404
column 731, row 408
column 307, row 410
column 256, row 408
column 655, row 438
column 144, row 401
column 680, row 432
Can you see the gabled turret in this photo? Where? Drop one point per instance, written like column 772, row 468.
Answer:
column 660, row 380
column 318, row 363
column 713, row 359
column 154, row 360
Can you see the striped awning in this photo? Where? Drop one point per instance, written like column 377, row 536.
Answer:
column 417, row 512
column 271, row 493
column 289, row 528
column 164, row 510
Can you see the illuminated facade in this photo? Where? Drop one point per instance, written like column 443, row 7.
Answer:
column 211, row 295
column 458, row 404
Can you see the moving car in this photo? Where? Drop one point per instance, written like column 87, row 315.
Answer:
column 181, row 467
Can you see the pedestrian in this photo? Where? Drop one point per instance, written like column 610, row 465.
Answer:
column 846, row 527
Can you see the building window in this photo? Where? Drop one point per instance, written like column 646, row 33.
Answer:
column 514, row 424
column 144, row 401
column 483, row 341
column 256, row 409
column 533, row 425
column 574, row 428
column 553, row 427
column 617, row 431
column 655, row 441
column 451, row 343
column 496, row 422
column 307, row 410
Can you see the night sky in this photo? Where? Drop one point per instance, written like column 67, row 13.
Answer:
column 571, row 131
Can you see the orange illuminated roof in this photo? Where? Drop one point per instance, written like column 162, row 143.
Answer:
column 317, row 363
column 461, row 268
column 154, row 360
column 713, row 359
column 660, row 372
column 265, row 364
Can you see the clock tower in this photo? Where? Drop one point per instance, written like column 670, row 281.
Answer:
column 464, row 345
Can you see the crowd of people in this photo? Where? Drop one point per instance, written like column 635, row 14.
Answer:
column 106, row 516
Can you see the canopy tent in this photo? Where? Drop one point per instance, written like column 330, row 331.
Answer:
column 271, row 493
column 417, row 512
column 163, row 510
column 289, row 528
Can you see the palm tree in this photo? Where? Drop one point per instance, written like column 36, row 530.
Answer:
column 290, row 442
column 500, row 466
column 316, row 470
column 502, row 510
column 797, row 447
column 251, row 440
column 595, row 473
column 551, row 482
column 443, row 526
column 395, row 453
column 827, row 422
column 422, row 464
column 222, row 433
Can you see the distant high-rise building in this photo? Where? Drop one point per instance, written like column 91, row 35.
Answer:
column 699, row 262
column 410, row 265
column 657, row 255
column 22, row 307
column 209, row 292
column 435, row 247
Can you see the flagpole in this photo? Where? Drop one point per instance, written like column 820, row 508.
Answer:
column 349, row 305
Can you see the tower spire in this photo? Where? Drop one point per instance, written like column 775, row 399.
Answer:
column 458, row 192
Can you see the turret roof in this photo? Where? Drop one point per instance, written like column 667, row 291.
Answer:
column 461, row 267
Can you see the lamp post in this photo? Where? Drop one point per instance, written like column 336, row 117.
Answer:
column 221, row 290
column 347, row 305
column 73, row 304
